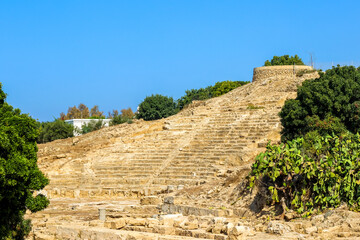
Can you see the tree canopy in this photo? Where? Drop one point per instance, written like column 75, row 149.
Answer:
column 156, row 107
column 20, row 176
column 82, row 112
column 333, row 98
column 58, row 129
column 284, row 60
column 218, row 89
column 317, row 164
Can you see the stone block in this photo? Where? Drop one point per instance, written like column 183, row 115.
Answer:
column 277, row 228
column 169, row 200
column 164, row 230
column 137, row 222
column 228, row 228
column 119, row 223
column 240, row 231
column 151, row 222
column 96, row 223
column 191, row 225
column 150, row 200
column 310, row 230
column 217, row 229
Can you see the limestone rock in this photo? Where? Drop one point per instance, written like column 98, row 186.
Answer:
column 150, row 200
column 115, row 223
column 277, row 228
column 136, row 222
column 310, row 230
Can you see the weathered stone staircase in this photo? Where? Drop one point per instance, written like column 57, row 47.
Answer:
column 190, row 149
column 187, row 149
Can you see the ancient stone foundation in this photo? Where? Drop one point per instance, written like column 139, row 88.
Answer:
column 174, row 178
column 290, row 71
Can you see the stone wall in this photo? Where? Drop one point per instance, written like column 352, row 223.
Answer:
column 261, row 73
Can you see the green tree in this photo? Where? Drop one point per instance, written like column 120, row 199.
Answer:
column 221, row 88
column 336, row 95
column 218, row 89
column 156, row 107
column 194, row 95
column 20, row 176
column 93, row 125
column 284, row 60
column 58, row 129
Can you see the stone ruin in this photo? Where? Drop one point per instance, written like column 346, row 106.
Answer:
column 179, row 177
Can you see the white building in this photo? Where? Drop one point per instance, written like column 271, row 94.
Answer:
column 78, row 123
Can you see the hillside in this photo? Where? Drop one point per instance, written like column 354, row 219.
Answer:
column 185, row 149
column 191, row 164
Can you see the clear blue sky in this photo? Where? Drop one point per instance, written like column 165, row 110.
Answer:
column 56, row 54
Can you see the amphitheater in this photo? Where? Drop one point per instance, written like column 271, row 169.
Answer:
column 180, row 177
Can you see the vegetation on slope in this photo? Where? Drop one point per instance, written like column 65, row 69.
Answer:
column 335, row 94
column 312, row 173
column 19, row 173
column 158, row 106
column 218, row 89
column 50, row 131
column 317, row 164
column 152, row 108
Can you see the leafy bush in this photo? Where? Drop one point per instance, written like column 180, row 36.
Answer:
column 93, row 125
column 221, row 88
column 20, row 176
column 156, row 107
column 284, row 60
column 335, row 94
column 316, row 175
column 320, row 170
column 50, row 131
column 194, row 95
column 120, row 119
column 218, row 89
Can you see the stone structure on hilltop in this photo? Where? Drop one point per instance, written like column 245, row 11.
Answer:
column 288, row 71
column 174, row 178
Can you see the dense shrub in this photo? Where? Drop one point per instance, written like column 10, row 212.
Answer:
column 93, row 125
column 316, row 175
column 221, row 88
column 218, row 89
column 58, row 129
column 120, row 119
column 156, row 107
column 193, row 95
column 284, row 60
column 335, row 94
column 20, row 176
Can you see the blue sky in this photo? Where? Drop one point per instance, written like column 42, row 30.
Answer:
column 56, row 54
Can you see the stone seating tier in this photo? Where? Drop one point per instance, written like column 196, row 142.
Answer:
column 185, row 149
